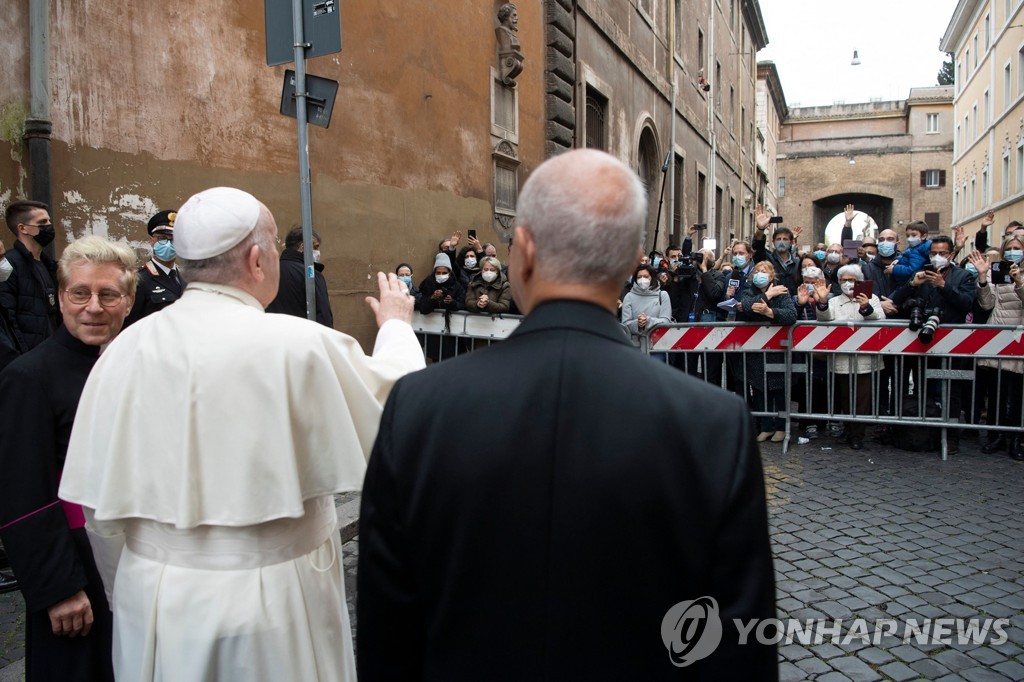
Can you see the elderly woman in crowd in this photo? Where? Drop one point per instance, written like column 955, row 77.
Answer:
column 767, row 302
column 488, row 291
column 1006, row 301
column 852, row 373
column 646, row 306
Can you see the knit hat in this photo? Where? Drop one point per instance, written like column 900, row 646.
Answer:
column 442, row 260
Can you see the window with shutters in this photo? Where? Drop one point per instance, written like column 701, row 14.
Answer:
column 933, row 178
column 932, row 220
column 933, row 123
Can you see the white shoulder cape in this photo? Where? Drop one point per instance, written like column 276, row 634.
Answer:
column 212, row 412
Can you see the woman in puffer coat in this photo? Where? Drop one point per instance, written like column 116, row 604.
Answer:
column 1006, row 301
column 488, row 291
column 645, row 306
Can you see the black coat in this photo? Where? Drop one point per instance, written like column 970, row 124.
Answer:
column 31, row 302
column 39, row 395
column 291, row 294
column 10, row 347
column 453, row 287
column 955, row 299
column 155, row 292
column 552, row 546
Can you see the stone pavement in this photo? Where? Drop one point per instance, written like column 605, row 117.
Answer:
column 875, row 534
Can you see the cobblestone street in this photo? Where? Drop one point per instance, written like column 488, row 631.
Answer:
column 876, row 534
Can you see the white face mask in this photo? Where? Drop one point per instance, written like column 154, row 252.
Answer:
column 316, row 255
column 939, row 262
column 441, row 279
column 832, row 257
column 847, row 288
column 643, row 282
column 470, row 263
column 489, row 275
column 5, row 269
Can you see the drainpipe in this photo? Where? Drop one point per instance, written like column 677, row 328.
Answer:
column 713, row 142
column 672, row 124
column 38, row 125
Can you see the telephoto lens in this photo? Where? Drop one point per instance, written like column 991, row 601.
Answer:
column 927, row 332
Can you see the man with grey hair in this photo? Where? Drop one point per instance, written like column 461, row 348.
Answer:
column 67, row 622
column 221, row 532
column 492, row 559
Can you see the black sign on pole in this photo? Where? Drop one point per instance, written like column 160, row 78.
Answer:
column 320, row 96
column 321, row 29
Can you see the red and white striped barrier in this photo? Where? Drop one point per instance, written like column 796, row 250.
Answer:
column 841, row 338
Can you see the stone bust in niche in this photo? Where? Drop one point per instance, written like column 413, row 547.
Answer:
column 510, row 54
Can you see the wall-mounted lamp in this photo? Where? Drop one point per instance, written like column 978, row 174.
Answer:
column 853, row 161
column 856, row 59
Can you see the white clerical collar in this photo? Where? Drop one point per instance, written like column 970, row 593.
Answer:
column 163, row 268
column 225, row 290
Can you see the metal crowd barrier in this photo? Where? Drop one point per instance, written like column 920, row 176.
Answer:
column 912, row 384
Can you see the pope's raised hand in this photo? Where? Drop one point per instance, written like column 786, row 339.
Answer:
column 395, row 302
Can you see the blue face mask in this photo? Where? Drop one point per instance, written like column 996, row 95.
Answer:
column 1013, row 255
column 886, row 249
column 820, row 255
column 760, row 280
column 971, row 269
column 164, row 250
column 407, row 279
column 739, row 261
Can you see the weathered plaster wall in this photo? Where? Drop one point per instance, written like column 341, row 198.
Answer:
column 152, row 102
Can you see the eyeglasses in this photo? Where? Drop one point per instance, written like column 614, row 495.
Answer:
column 108, row 298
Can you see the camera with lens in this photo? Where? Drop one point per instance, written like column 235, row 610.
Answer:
column 933, row 316
column 914, row 309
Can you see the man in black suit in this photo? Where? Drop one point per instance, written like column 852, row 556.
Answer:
column 159, row 282
column 291, row 294
column 603, row 491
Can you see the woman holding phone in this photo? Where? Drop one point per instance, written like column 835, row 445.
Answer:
column 852, row 373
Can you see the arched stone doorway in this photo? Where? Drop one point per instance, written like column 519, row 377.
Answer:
column 648, row 167
column 873, row 208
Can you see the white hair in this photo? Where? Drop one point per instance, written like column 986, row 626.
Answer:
column 851, row 269
column 586, row 211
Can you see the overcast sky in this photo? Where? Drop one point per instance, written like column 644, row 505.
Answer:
column 812, row 43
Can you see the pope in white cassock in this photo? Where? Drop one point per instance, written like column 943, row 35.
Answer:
column 209, row 441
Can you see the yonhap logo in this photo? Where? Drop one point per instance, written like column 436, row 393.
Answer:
column 691, row 630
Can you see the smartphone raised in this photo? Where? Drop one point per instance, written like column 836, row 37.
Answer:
column 472, row 234
column 867, row 287
column 775, row 219
column 1000, row 272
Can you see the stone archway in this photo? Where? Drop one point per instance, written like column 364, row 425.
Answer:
column 649, row 169
column 875, row 206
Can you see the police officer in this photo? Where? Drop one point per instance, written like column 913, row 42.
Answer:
column 159, row 282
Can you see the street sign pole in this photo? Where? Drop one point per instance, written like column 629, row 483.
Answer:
column 305, row 184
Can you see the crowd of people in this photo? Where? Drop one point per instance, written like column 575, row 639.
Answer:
column 920, row 276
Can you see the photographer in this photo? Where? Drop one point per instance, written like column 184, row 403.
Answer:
column 695, row 287
column 781, row 256
column 948, row 292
